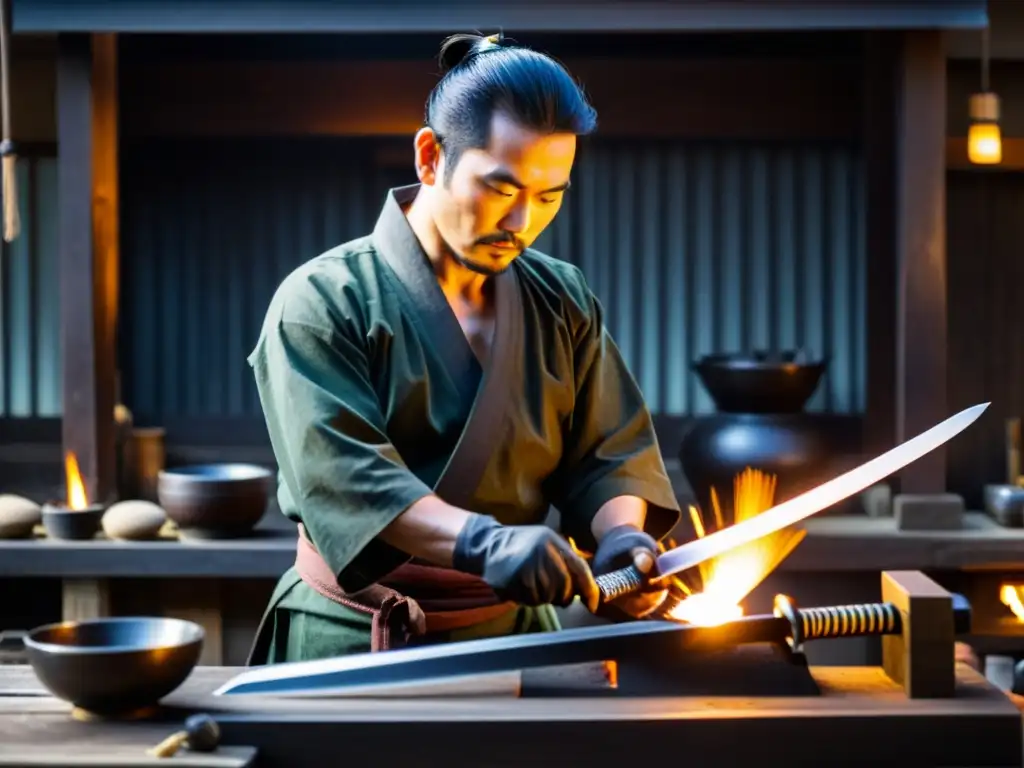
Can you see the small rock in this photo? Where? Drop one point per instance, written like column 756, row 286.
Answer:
column 133, row 520
column 18, row 516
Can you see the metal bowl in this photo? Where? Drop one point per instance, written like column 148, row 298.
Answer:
column 114, row 667
column 68, row 524
column 215, row 500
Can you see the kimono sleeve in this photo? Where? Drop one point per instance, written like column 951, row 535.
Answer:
column 343, row 476
column 610, row 445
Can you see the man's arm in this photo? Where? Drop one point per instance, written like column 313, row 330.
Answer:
column 345, row 477
column 611, row 487
column 427, row 530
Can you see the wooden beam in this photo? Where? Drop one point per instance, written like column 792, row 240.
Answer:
column 370, row 16
column 921, row 353
column 722, row 98
column 88, row 252
column 881, row 57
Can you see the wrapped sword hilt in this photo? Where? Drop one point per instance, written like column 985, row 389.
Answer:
column 620, row 583
column 859, row 620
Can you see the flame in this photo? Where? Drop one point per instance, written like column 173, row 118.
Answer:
column 1010, row 596
column 76, row 488
column 728, row 579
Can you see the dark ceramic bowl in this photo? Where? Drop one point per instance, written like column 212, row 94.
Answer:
column 215, row 500
column 117, row 666
column 760, row 382
column 68, row 524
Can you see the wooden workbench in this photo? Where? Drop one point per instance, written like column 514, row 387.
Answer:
column 861, row 719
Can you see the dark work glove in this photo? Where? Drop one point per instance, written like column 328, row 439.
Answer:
column 621, row 547
column 530, row 564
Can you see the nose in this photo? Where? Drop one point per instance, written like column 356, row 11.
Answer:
column 518, row 218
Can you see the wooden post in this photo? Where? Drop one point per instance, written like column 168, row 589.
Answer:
column 881, row 56
column 921, row 254
column 201, row 603
column 88, row 251
column 922, row 657
column 85, row 599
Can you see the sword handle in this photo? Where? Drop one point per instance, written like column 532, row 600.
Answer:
column 860, row 620
column 616, row 584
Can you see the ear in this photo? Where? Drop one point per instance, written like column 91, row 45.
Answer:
column 428, row 156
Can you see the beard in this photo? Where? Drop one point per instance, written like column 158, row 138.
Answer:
column 482, row 269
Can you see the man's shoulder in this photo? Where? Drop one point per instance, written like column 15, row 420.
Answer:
column 327, row 288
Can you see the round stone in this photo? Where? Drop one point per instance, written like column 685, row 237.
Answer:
column 133, row 520
column 18, row 516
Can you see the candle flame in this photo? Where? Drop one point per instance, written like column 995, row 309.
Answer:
column 76, row 488
column 729, row 578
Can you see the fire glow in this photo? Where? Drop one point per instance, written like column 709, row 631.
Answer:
column 1010, row 595
column 77, row 499
column 728, row 579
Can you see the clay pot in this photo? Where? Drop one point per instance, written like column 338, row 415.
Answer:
column 759, row 424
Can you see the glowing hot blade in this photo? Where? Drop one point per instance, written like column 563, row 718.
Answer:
column 824, row 496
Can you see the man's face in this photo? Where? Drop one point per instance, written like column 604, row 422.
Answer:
column 499, row 199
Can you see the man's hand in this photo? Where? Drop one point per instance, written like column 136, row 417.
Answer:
column 530, row 564
column 621, row 547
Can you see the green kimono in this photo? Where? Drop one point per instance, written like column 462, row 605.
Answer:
column 374, row 399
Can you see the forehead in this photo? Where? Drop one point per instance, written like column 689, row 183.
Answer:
column 538, row 160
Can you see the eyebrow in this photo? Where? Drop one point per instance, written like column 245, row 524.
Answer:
column 504, row 177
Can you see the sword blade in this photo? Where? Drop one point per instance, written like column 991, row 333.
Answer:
column 824, row 496
column 405, row 670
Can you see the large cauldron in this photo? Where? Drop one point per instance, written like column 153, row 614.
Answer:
column 759, row 423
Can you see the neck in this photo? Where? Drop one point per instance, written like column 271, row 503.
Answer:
column 454, row 278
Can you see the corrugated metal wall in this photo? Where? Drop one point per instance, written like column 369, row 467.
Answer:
column 30, row 378
column 692, row 248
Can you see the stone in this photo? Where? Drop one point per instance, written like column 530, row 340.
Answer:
column 929, row 512
column 876, row 501
column 133, row 520
column 18, row 516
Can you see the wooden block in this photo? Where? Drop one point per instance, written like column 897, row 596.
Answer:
column 921, row 658
column 84, row 599
column 928, row 512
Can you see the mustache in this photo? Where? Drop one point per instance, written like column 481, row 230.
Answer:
column 503, row 238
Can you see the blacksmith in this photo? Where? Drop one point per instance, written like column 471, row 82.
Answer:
column 433, row 388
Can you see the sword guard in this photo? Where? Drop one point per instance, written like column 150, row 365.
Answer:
column 616, row 584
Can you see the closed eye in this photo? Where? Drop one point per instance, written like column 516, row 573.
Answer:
column 496, row 191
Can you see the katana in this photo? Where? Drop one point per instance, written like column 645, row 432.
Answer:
column 407, row 667
column 629, row 580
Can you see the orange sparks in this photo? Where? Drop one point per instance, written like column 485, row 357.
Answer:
column 728, row 579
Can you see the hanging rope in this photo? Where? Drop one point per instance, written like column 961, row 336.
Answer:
column 12, row 221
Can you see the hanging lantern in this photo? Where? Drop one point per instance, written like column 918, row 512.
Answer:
column 984, row 139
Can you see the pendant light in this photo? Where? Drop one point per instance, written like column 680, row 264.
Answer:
column 984, row 139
